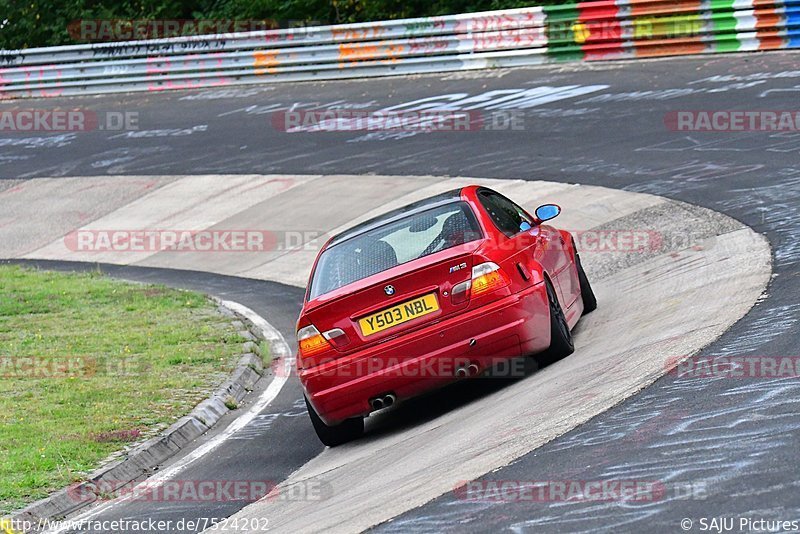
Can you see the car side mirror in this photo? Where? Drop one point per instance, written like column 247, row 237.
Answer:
column 547, row 212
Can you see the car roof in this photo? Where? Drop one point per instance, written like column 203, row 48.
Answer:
column 441, row 199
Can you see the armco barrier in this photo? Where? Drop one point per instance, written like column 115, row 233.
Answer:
column 647, row 28
column 601, row 30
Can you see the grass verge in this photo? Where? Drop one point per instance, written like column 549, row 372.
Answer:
column 89, row 364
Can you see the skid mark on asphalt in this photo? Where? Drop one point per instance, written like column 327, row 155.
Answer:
column 767, row 325
column 259, row 426
column 744, row 142
column 775, row 204
column 46, row 141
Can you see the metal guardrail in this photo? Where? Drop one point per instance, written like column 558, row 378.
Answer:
column 598, row 30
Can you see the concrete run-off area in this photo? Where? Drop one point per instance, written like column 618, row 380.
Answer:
column 658, row 267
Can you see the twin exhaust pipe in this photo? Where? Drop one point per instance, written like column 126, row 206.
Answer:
column 469, row 370
column 383, row 401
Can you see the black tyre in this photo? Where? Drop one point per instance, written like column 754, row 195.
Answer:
column 335, row 435
column 587, row 295
column 561, row 344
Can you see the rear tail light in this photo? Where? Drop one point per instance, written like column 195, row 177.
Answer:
column 311, row 341
column 487, row 277
column 460, row 292
column 337, row 337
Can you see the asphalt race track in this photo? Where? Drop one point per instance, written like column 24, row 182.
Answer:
column 723, row 447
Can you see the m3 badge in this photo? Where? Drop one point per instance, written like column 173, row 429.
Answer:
column 458, row 267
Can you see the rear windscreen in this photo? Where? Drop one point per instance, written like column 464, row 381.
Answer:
column 394, row 244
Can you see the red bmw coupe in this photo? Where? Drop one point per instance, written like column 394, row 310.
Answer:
column 434, row 292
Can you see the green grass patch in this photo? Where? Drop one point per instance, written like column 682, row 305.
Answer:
column 89, row 364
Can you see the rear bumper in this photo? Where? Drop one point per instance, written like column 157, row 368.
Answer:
column 427, row 359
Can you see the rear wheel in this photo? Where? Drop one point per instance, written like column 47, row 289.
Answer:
column 587, row 295
column 338, row 434
column 561, row 344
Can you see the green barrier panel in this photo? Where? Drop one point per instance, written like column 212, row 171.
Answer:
column 724, row 24
column 561, row 21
